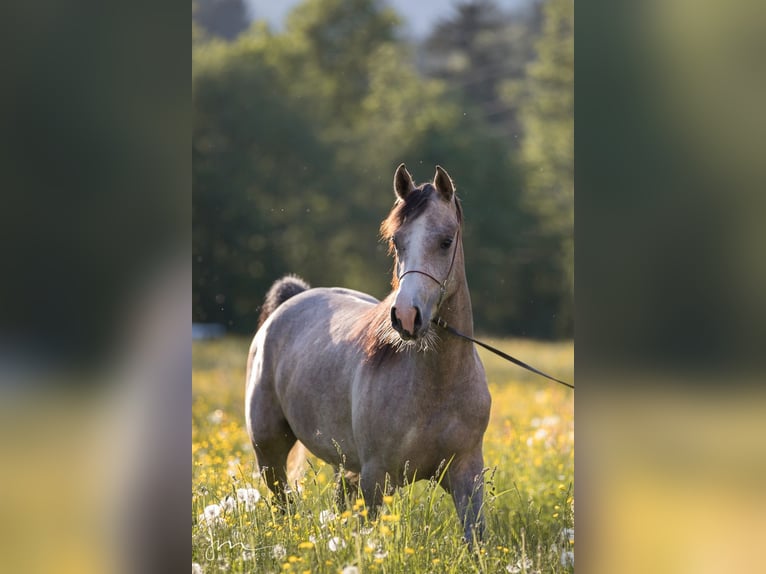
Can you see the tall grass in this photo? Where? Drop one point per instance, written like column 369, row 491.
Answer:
column 528, row 451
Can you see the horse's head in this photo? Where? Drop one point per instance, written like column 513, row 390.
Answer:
column 423, row 234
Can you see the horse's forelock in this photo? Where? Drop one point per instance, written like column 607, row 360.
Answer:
column 407, row 209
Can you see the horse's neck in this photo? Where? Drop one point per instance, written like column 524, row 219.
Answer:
column 454, row 355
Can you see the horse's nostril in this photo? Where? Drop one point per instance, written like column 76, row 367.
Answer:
column 395, row 323
column 418, row 319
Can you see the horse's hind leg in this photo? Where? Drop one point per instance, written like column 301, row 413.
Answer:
column 272, row 446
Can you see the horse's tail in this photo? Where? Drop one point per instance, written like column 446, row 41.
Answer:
column 281, row 291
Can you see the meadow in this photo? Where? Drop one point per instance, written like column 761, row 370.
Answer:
column 529, row 500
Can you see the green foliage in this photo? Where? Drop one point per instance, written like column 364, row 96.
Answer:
column 296, row 138
column 546, row 98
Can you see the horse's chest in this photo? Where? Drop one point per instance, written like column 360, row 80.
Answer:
column 421, row 433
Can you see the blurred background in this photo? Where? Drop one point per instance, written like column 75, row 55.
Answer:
column 303, row 110
column 96, row 185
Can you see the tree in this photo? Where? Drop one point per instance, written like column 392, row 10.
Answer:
column 547, row 153
column 224, row 19
column 476, row 51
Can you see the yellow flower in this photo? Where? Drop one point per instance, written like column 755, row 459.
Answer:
column 306, row 545
column 435, row 561
column 408, row 550
column 346, row 514
column 385, row 530
column 390, row 518
column 388, row 499
column 293, row 559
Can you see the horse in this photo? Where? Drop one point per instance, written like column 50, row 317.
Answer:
column 371, row 387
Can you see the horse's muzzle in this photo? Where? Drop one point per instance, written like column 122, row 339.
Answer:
column 407, row 321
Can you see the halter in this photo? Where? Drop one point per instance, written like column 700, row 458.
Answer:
column 443, row 284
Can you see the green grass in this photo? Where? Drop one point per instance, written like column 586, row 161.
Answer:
column 528, row 448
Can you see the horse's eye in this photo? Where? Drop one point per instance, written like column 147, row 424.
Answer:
column 396, row 244
column 446, row 243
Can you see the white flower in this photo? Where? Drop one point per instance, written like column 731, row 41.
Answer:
column 350, row 570
column 216, row 417
column 250, row 496
column 336, row 543
column 278, row 552
column 228, row 504
column 211, row 515
column 519, row 566
column 326, row 516
column 196, row 568
column 381, row 554
column 567, row 558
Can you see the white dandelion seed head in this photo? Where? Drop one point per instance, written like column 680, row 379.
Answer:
column 216, row 417
column 350, row 570
column 249, row 497
column 335, row 543
column 326, row 516
column 567, row 558
column 196, row 568
column 227, row 503
column 211, row 515
column 279, row 552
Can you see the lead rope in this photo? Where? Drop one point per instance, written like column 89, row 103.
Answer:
column 443, row 324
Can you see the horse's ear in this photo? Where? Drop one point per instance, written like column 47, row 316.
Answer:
column 403, row 183
column 443, row 182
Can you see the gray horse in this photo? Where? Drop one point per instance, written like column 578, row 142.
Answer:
column 370, row 386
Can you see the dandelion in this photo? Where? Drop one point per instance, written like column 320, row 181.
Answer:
column 567, row 558
column 196, row 568
column 326, row 516
column 278, row 552
column 408, row 550
column 228, row 504
column 211, row 515
column 306, row 545
column 390, row 518
column 216, row 417
column 248, row 496
column 380, row 555
column 388, row 499
column 335, row 543
column 293, row 559
column 350, row 570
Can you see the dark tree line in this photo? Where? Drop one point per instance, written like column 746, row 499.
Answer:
column 296, row 136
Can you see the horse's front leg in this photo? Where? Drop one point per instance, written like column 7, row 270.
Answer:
column 465, row 481
column 372, row 481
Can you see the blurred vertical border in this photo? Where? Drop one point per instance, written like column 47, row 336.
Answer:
column 671, row 319
column 95, row 295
